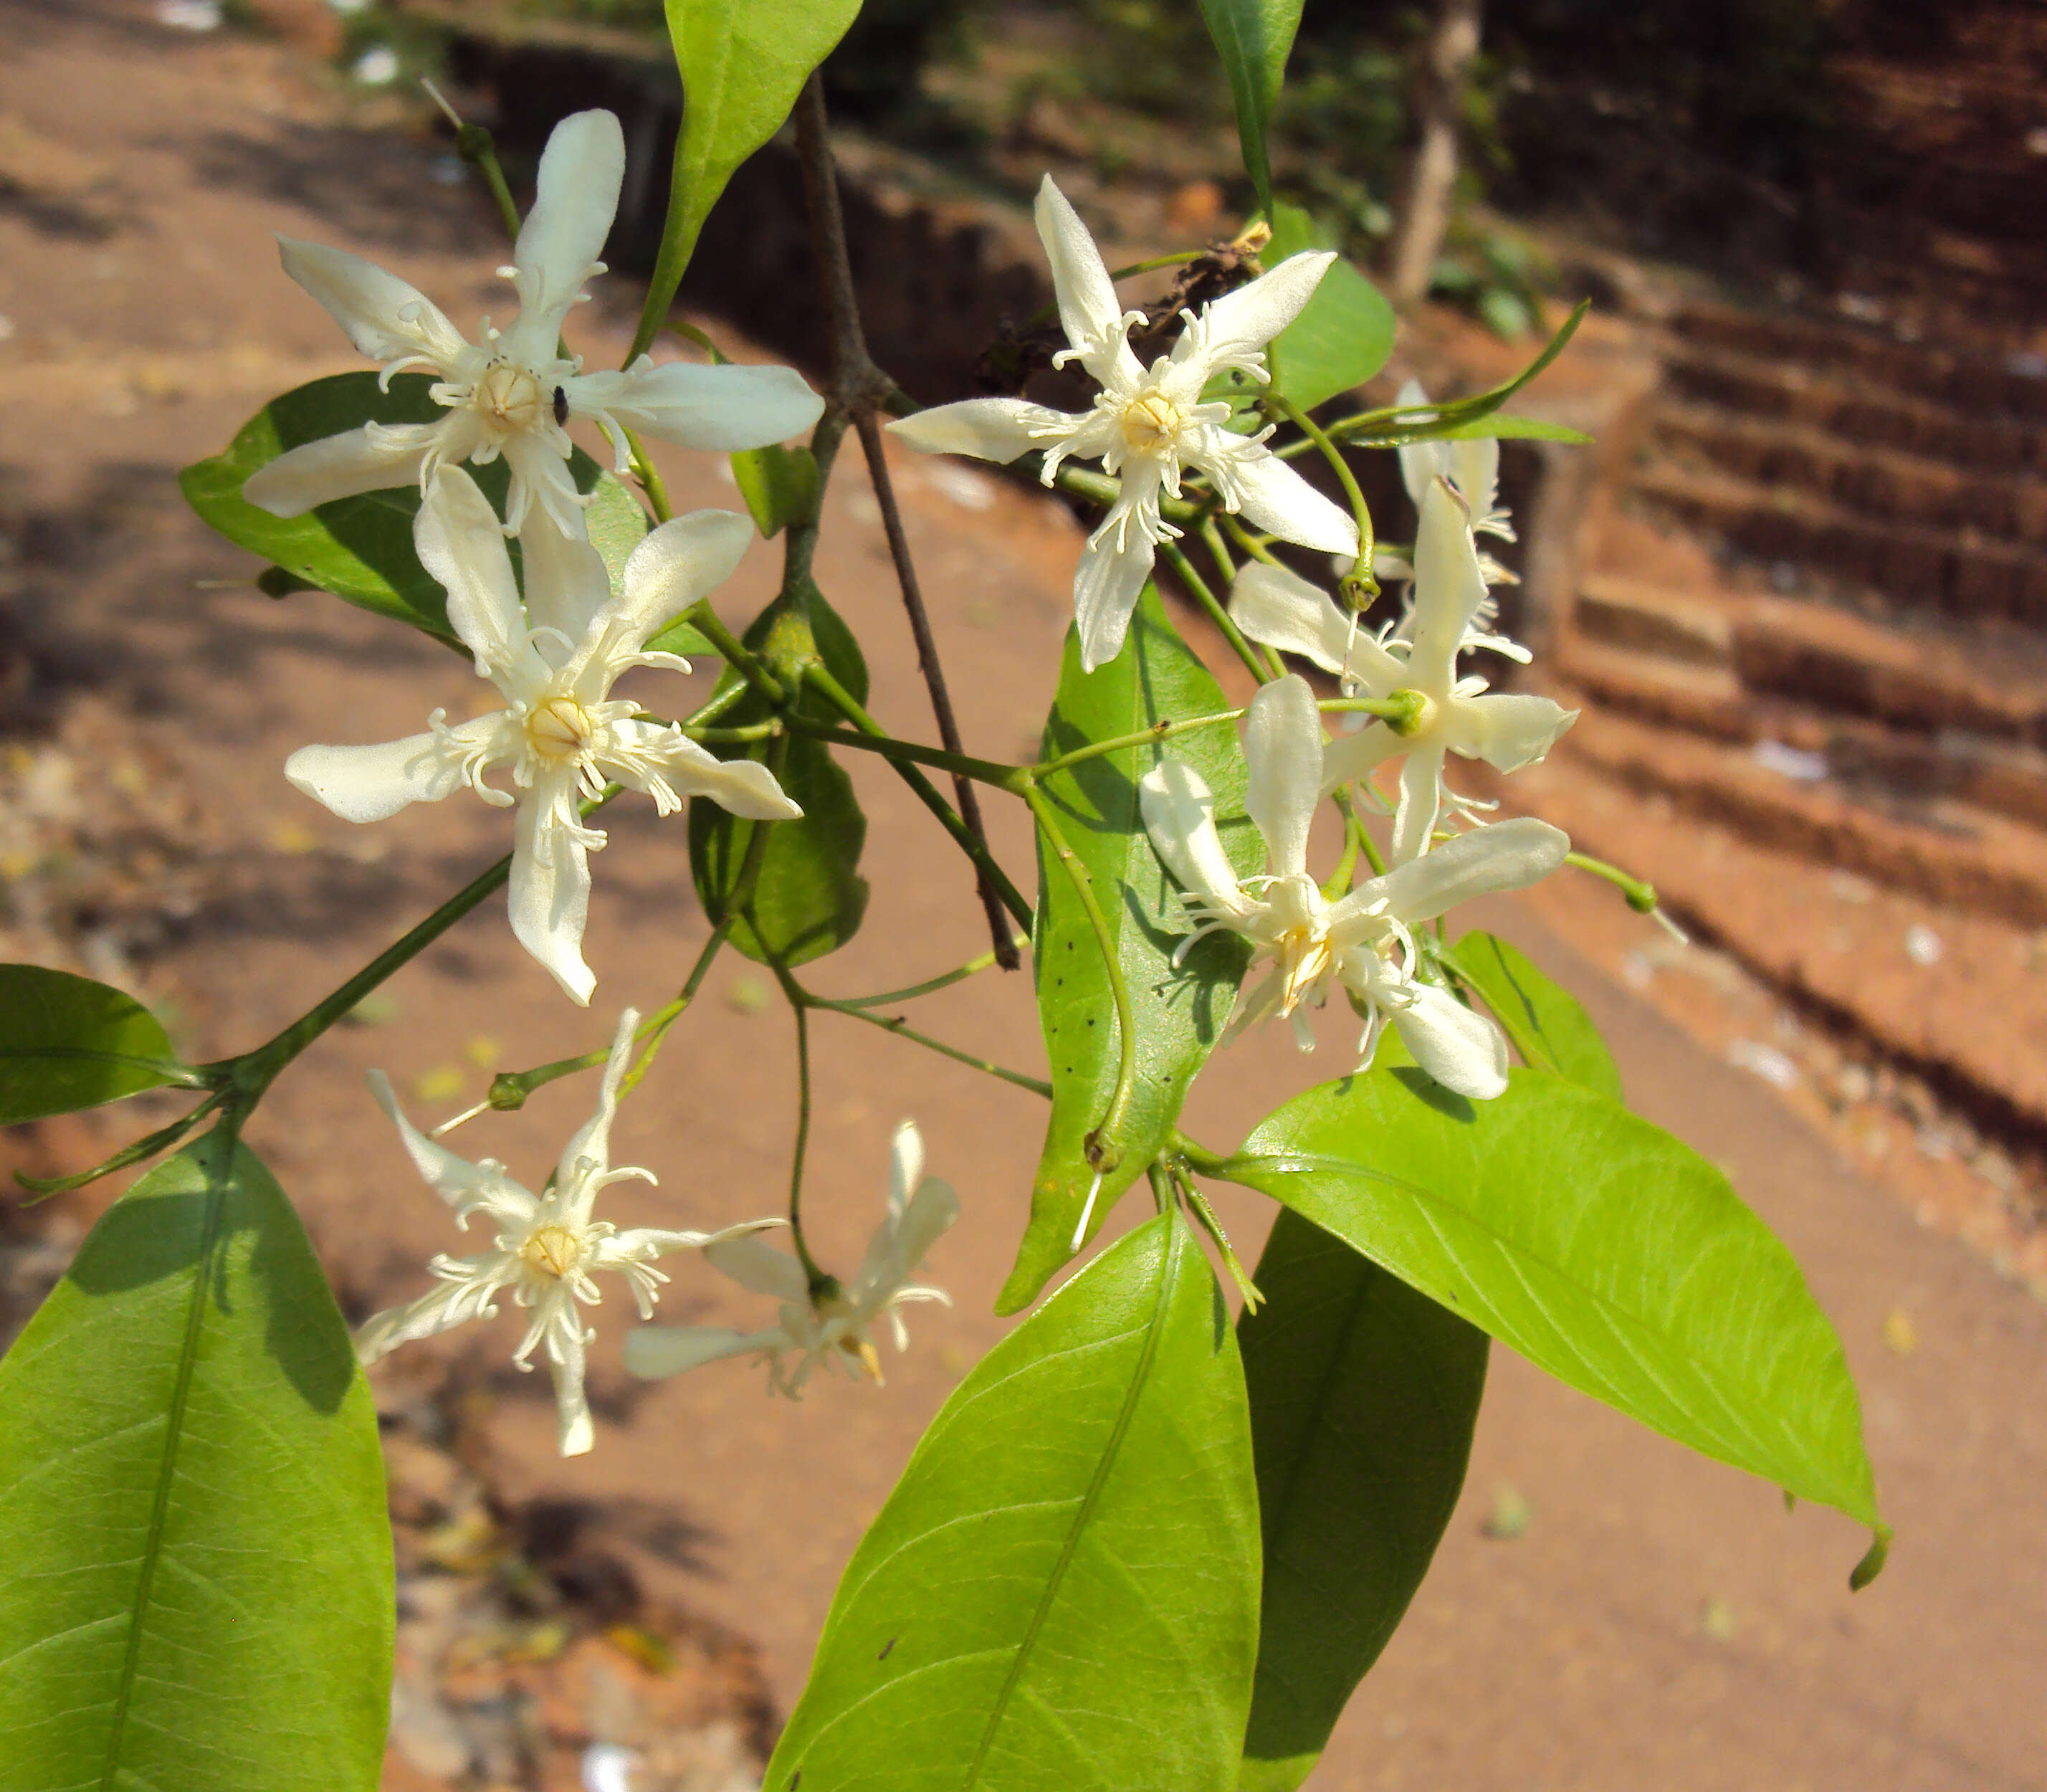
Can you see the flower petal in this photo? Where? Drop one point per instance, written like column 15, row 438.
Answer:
column 549, row 896
column 1179, row 815
column 1283, row 748
column 1356, row 756
column 906, row 1164
column 1508, row 855
column 1420, row 462
column 566, row 584
column 1089, row 310
column 455, row 1179
column 754, row 1266
column 440, row 1309
column 1474, row 469
column 1449, row 588
column 592, row 1139
column 1271, row 494
column 686, row 558
column 1421, row 801
column 372, row 783
column 722, row 408
column 460, row 544
column 659, row 759
column 933, row 1210
column 370, row 459
column 573, row 1431
column 1107, row 584
column 574, row 202
column 996, row 429
column 1507, row 731
column 539, row 459
column 1462, row 1050
column 1274, row 605
column 1232, row 330
column 652, row 1352
column 385, row 318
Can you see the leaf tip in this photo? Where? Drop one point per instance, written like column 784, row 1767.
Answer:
column 1873, row 1560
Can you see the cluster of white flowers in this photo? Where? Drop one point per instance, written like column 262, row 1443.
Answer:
column 1361, row 941
column 554, row 651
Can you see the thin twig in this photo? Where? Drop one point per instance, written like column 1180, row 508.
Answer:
column 859, row 388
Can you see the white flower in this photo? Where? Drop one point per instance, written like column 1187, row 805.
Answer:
column 554, row 663
column 1147, row 425
column 1360, row 942
column 827, row 1325
column 1508, row 730
column 544, row 1247
column 510, row 391
column 1472, row 469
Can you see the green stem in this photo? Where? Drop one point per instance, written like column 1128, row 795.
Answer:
column 650, row 480
column 1102, row 1151
column 734, row 652
column 657, row 1029
column 897, row 1025
column 1258, row 546
column 44, row 1187
column 767, row 731
column 1640, row 895
column 477, row 147
column 1199, row 1157
column 842, row 700
column 909, row 753
column 1395, row 708
column 1360, row 510
column 1264, row 673
column 888, row 998
column 818, row 1279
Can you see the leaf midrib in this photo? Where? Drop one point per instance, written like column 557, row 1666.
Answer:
column 1141, row 1376
column 153, row 1546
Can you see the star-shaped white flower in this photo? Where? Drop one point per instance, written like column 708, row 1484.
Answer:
column 829, row 1324
column 563, row 737
column 545, row 1247
column 1508, row 730
column 1362, row 942
column 509, row 392
column 1147, row 425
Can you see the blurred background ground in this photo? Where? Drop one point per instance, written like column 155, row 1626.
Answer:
column 1858, row 1040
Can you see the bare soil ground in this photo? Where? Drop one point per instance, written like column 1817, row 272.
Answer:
column 1608, row 1611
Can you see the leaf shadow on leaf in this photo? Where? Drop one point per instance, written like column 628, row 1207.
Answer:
column 150, row 1240
column 1424, row 1087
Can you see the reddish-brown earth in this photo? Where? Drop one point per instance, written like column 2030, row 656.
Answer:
column 1657, row 1621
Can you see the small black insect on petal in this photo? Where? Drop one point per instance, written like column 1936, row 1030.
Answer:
column 561, row 407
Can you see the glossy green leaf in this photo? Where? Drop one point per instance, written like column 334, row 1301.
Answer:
column 1061, row 1593
column 1345, row 333
column 360, row 548
column 1546, row 1025
column 1499, row 426
column 779, row 485
column 1178, row 1013
column 1363, row 1397
column 198, row 1595
column 1598, row 1246
column 1255, row 38
column 67, row 1043
column 806, row 897
column 743, row 62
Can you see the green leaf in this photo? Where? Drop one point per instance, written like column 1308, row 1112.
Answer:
column 360, row 548
column 1177, row 1013
column 1598, row 1246
column 1546, row 1025
column 1255, row 38
column 779, row 485
column 1345, row 333
column 199, row 1590
column 1061, row 1593
column 743, row 62
column 67, row 1043
column 1363, row 1396
column 807, row 896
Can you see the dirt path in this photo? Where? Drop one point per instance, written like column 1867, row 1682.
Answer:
column 1658, row 1622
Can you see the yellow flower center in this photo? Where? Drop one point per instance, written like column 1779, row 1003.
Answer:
column 1152, row 422
column 1304, row 957
column 509, row 398
column 553, row 1250
column 560, row 729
